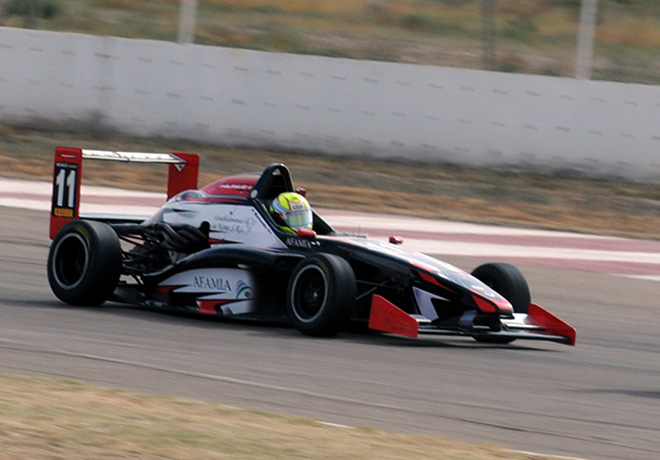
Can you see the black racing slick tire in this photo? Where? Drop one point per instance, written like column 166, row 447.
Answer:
column 84, row 263
column 321, row 295
column 508, row 281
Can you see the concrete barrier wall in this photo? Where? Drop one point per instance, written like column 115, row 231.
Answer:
column 337, row 106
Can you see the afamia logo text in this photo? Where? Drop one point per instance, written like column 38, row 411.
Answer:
column 212, row 284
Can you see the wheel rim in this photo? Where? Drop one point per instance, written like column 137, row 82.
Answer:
column 309, row 293
column 71, row 257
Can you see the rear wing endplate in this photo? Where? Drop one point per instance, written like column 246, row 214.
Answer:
column 67, row 177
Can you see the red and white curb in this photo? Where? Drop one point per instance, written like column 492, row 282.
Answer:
column 620, row 256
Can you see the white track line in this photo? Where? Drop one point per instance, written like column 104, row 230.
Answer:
column 459, row 248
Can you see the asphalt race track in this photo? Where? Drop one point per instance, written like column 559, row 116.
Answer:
column 599, row 400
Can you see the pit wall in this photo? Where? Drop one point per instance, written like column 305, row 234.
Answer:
column 329, row 105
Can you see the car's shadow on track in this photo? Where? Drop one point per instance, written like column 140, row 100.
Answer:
column 386, row 340
column 360, row 334
column 356, row 333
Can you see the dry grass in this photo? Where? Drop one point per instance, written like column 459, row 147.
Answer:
column 434, row 191
column 46, row 419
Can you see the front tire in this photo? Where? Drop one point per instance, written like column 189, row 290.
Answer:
column 84, row 263
column 321, row 295
column 510, row 283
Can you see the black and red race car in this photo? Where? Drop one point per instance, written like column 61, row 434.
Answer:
column 219, row 251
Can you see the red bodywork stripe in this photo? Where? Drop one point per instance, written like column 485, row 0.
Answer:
column 551, row 323
column 431, row 279
column 387, row 317
column 210, row 307
column 214, row 200
column 484, row 305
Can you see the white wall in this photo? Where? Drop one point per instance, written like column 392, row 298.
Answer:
column 308, row 103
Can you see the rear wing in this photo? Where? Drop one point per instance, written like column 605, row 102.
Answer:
column 67, row 177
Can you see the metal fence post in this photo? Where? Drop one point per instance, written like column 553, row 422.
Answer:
column 585, row 42
column 488, row 33
column 187, row 21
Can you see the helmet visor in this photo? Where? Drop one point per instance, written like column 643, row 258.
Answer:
column 300, row 219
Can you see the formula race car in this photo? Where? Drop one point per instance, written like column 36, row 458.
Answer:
column 228, row 250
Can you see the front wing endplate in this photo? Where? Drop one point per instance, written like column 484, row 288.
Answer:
column 387, row 317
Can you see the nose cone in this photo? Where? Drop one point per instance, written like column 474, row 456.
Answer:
column 495, row 304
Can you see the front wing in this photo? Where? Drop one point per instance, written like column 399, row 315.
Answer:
column 536, row 324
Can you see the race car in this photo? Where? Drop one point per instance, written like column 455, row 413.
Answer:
column 229, row 249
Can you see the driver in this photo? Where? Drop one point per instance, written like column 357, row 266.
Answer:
column 292, row 212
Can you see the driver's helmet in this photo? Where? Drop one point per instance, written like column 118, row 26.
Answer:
column 293, row 210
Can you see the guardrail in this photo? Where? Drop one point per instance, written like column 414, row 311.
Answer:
column 336, row 106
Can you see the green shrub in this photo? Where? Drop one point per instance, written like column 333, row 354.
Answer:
column 417, row 21
column 17, row 8
column 46, row 9
column 511, row 63
column 50, row 9
column 520, row 29
column 280, row 38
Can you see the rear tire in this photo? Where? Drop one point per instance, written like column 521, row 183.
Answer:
column 510, row 283
column 321, row 295
column 84, row 263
